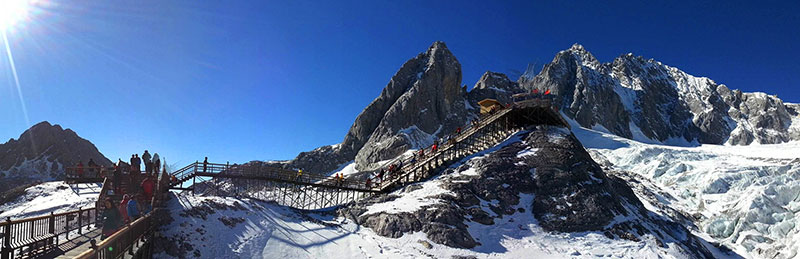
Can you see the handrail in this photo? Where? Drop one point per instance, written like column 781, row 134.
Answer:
column 40, row 234
column 287, row 175
column 466, row 133
column 122, row 241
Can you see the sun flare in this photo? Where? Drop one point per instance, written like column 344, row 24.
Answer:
column 12, row 12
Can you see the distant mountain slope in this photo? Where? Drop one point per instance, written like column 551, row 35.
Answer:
column 42, row 153
column 646, row 100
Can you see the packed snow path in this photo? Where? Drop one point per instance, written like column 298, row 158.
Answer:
column 309, row 191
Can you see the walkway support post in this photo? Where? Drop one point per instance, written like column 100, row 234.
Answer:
column 6, row 251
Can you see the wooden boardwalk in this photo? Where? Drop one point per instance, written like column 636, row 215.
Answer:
column 310, row 191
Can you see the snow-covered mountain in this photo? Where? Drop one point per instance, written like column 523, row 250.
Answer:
column 538, row 194
column 646, row 100
column 746, row 197
column 41, row 153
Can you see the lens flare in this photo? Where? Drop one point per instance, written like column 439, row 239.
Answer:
column 12, row 12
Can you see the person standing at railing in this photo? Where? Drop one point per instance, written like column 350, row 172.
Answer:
column 134, row 165
column 111, row 219
column 148, row 185
column 123, row 208
column 92, row 167
column 299, row 175
column 156, row 164
column 117, row 177
column 133, row 209
column 79, row 169
column 147, row 162
column 205, row 164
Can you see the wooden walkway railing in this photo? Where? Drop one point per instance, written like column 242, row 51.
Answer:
column 315, row 191
column 133, row 240
column 36, row 236
column 85, row 174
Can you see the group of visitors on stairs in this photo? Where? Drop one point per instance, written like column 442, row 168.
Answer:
column 136, row 187
column 393, row 170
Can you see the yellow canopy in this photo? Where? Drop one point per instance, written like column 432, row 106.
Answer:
column 488, row 104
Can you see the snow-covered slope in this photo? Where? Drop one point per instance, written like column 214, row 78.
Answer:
column 49, row 197
column 746, row 197
column 217, row 227
column 532, row 216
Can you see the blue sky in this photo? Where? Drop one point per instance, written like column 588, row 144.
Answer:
column 255, row 80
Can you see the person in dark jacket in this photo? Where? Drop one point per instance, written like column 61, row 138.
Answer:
column 134, row 167
column 92, row 167
column 111, row 219
column 148, row 164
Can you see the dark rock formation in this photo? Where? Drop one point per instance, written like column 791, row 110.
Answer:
column 494, row 85
column 572, row 193
column 41, row 153
column 423, row 100
column 641, row 98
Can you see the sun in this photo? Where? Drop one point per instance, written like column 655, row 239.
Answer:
column 12, row 12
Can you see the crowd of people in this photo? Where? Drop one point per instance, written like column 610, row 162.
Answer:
column 136, row 187
column 394, row 170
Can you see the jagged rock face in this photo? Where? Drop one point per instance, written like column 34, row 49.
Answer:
column 493, row 85
column 571, row 193
column 645, row 99
column 424, row 100
column 43, row 151
column 321, row 160
column 431, row 103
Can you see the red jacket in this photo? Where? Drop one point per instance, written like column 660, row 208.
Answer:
column 147, row 186
column 123, row 210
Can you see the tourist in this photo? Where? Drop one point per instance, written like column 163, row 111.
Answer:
column 123, row 208
column 132, row 209
column 79, row 169
column 156, row 164
column 147, row 162
column 148, row 186
column 111, row 219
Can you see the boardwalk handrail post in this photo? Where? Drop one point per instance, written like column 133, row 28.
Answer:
column 80, row 221
column 52, row 224
column 6, row 250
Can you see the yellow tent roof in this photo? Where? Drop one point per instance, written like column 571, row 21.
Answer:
column 489, row 102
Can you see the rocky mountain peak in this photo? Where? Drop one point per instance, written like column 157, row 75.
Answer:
column 494, row 85
column 422, row 100
column 42, row 152
column 643, row 99
column 582, row 56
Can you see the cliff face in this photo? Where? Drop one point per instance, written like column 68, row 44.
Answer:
column 424, row 100
column 646, row 100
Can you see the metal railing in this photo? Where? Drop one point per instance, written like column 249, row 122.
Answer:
column 411, row 162
column 86, row 174
column 133, row 239
column 38, row 235
column 200, row 169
